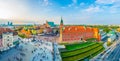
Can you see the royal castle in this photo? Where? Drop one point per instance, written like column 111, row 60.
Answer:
column 75, row 33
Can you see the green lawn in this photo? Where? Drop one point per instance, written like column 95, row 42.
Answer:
column 97, row 53
column 91, row 39
column 80, row 51
column 75, row 46
column 78, row 46
column 83, row 55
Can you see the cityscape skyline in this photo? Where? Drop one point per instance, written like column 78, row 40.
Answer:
column 59, row 30
column 72, row 11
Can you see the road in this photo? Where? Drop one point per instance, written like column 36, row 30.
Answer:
column 110, row 54
column 115, row 54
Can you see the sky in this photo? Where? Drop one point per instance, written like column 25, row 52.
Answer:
column 72, row 11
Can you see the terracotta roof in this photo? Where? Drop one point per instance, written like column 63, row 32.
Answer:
column 74, row 29
column 89, row 29
column 95, row 29
column 2, row 30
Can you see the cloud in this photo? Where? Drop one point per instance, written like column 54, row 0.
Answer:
column 46, row 3
column 104, row 6
column 93, row 9
column 73, row 3
column 63, row 7
column 40, row 10
column 21, row 11
column 82, row 4
column 12, row 8
column 105, row 1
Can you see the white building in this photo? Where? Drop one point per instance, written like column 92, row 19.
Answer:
column 7, row 39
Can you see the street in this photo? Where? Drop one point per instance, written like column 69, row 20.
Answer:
column 115, row 54
column 112, row 53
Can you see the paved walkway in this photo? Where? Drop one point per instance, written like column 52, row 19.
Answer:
column 29, row 51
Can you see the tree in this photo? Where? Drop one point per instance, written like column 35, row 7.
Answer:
column 34, row 32
column 22, row 35
column 106, row 30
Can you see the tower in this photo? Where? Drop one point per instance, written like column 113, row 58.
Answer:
column 8, row 23
column 61, row 22
column 61, row 29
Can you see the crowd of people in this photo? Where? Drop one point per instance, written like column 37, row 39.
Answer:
column 38, row 50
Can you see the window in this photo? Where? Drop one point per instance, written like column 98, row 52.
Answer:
column 7, row 39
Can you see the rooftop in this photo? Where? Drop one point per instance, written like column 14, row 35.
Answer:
column 75, row 29
column 51, row 24
column 4, row 30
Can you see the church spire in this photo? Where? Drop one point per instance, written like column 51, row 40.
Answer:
column 61, row 22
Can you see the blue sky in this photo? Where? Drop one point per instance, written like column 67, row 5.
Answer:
column 72, row 11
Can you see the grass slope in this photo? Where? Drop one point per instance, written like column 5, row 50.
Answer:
column 81, row 51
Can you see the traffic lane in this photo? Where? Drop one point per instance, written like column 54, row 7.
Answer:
column 108, row 55
column 113, row 52
column 113, row 55
column 117, row 56
column 102, row 56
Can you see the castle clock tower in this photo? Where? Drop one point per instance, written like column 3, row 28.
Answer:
column 61, row 29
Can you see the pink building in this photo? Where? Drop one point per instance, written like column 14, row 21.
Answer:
column 1, row 43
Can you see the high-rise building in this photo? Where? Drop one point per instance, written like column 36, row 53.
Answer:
column 9, row 23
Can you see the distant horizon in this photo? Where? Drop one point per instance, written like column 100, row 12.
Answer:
column 31, row 23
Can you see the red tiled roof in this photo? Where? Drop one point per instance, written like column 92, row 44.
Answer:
column 74, row 29
column 89, row 29
column 2, row 30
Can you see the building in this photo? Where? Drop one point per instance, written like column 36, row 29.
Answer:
column 1, row 46
column 8, row 25
column 48, row 38
column 50, row 28
column 47, row 30
column 111, row 36
column 50, row 24
column 75, row 33
column 7, row 39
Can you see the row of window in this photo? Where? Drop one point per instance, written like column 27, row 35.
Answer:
column 71, row 39
column 76, row 36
